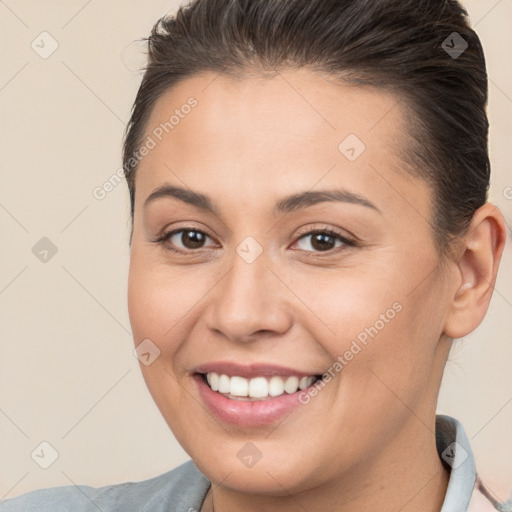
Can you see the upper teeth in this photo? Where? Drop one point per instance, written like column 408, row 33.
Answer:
column 257, row 387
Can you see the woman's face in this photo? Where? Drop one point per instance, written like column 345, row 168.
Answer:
column 251, row 293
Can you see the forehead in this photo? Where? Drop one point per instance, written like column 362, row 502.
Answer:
column 284, row 132
column 299, row 104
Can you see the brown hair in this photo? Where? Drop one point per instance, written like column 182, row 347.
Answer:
column 410, row 47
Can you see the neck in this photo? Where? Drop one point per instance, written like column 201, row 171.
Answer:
column 407, row 475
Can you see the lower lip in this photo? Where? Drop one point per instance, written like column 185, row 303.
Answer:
column 247, row 413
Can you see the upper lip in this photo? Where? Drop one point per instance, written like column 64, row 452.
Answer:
column 249, row 370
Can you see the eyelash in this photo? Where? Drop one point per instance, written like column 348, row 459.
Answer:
column 346, row 241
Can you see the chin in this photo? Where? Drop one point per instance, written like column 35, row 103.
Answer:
column 272, row 477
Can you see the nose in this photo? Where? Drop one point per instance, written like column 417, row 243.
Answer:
column 250, row 302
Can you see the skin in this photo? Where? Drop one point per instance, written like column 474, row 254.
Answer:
column 366, row 441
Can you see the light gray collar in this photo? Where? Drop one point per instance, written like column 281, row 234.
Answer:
column 454, row 448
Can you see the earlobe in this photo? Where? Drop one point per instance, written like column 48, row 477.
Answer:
column 482, row 248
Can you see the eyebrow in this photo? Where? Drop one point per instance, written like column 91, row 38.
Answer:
column 288, row 204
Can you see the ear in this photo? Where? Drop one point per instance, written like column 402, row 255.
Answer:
column 477, row 268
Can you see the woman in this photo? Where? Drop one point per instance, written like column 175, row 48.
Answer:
column 308, row 184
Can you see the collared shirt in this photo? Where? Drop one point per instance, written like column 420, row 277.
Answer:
column 184, row 488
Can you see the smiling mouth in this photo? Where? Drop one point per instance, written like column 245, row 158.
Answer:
column 256, row 388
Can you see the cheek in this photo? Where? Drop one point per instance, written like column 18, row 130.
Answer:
column 347, row 305
column 157, row 309
column 158, row 299
column 165, row 305
column 397, row 363
column 385, row 333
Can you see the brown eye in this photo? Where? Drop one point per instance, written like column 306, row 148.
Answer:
column 184, row 240
column 192, row 239
column 323, row 241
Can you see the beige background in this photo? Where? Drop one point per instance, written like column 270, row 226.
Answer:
column 67, row 372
